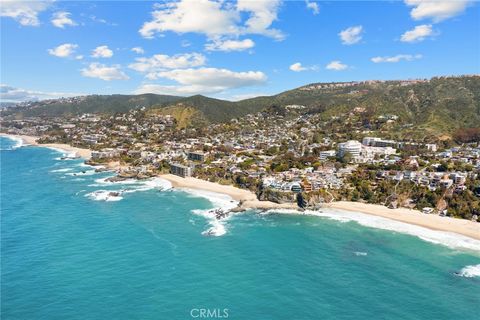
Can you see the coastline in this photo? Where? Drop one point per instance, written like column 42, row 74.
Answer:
column 31, row 140
column 248, row 200
column 413, row 217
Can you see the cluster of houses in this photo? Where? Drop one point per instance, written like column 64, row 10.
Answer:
column 431, row 180
column 336, row 85
column 308, row 179
column 147, row 140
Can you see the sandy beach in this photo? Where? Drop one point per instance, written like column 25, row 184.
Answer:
column 31, row 140
column 247, row 198
column 249, row 201
column 431, row 221
column 194, row 183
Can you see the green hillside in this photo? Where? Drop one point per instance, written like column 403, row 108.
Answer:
column 90, row 104
column 438, row 106
column 216, row 110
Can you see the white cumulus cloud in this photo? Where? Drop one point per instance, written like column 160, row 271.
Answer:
column 417, row 34
column 138, row 50
column 61, row 19
column 101, row 71
column 102, row 52
column 397, row 58
column 297, row 67
column 24, row 12
column 214, row 18
column 230, row 45
column 262, row 15
column 437, row 10
column 207, row 17
column 336, row 65
column 64, row 50
column 351, row 35
column 203, row 81
column 215, row 77
column 312, row 5
column 161, row 62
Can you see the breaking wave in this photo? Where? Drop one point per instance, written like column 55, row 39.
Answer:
column 449, row 239
column 82, row 173
column 18, row 143
column 103, row 182
column 132, row 186
column 218, row 227
column 360, row 253
column 104, row 195
column 470, row 271
column 62, row 170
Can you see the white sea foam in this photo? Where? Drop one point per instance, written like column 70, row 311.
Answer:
column 62, row 170
column 149, row 184
column 157, row 183
column 470, row 271
column 18, row 142
column 132, row 186
column 360, row 253
column 103, row 182
column 217, row 229
column 103, row 195
column 82, row 173
column 449, row 239
column 83, row 164
column 219, row 201
column 65, row 158
column 62, row 151
column 65, row 153
column 143, row 185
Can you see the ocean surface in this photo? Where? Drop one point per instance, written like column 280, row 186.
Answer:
column 71, row 250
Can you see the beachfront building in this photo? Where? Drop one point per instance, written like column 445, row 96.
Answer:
column 196, row 156
column 180, row 170
column 105, row 154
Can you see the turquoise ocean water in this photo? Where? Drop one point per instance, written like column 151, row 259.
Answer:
column 68, row 254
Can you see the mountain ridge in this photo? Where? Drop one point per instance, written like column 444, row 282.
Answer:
column 439, row 105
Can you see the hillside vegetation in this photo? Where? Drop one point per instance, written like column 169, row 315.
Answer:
column 90, row 104
column 439, row 106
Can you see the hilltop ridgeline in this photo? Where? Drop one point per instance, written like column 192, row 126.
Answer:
column 438, row 106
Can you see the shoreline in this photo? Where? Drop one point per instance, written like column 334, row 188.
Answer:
column 413, row 217
column 248, row 200
column 31, row 140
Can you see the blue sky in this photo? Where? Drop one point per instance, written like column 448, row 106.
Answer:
column 228, row 49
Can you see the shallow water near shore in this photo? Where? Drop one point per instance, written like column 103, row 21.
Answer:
column 70, row 250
